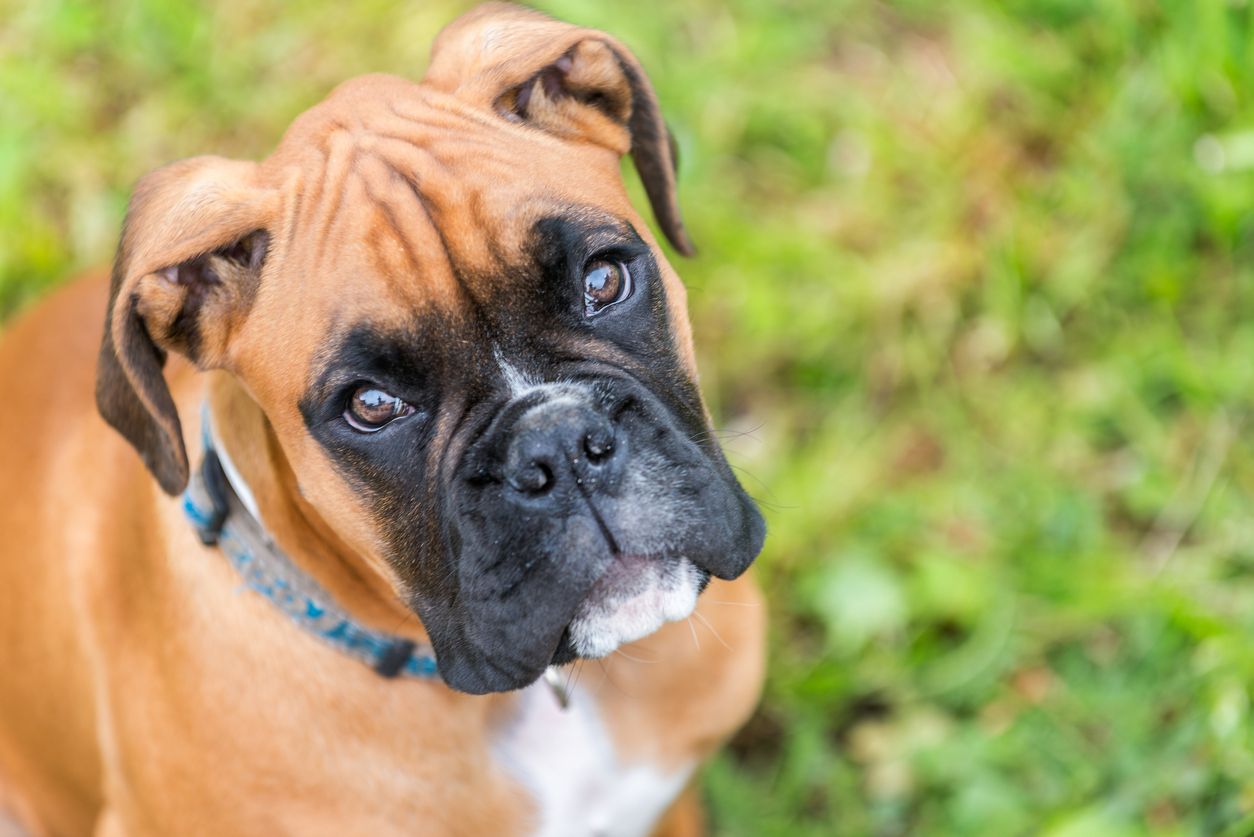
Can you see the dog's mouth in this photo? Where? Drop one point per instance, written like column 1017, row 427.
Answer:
column 635, row 596
column 581, row 517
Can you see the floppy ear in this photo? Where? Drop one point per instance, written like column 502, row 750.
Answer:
column 186, row 271
column 579, row 84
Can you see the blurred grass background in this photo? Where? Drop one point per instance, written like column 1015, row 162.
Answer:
column 975, row 304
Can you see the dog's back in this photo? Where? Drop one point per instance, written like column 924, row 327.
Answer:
column 54, row 452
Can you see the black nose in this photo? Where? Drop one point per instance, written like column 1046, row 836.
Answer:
column 560, row 444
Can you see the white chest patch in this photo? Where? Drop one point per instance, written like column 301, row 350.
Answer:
column 567, row 761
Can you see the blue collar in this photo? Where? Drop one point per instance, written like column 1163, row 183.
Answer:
column 222, row 519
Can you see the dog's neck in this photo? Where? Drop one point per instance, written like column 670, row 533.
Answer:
column 265, row 484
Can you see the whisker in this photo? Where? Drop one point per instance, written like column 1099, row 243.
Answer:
column 771, row 504
column 620, row 652
column 596, row 690
column 578, row 670
column 732, row 604
column 723, row 435
column 735, row 434
column 692, row 628
column 706, row 622
column 605, row 672
column 612, row 681
column 401, row 622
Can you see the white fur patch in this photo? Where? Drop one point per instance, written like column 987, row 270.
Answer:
column 521, row 384
column 517, row 380
column 634, row 603
column 567, row 761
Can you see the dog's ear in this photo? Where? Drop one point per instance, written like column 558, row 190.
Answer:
column 576, row 83
column 187, row 268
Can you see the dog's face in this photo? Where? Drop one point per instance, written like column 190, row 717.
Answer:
column 474, row 357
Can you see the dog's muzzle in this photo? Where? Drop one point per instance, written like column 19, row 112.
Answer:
column 581, row 518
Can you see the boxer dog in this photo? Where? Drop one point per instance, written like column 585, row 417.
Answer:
column 430, row 497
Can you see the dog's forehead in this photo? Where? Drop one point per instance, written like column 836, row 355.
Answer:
column 394, row 193
column 407, row 149
column 402, row 203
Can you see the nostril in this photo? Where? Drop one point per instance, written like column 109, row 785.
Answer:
column 535, row 478
column 598, row 445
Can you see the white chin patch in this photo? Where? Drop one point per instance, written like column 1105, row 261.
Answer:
column 634, row 598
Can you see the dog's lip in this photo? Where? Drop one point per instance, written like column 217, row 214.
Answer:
column 626, row 575
column 624, row 569
column 635, row 595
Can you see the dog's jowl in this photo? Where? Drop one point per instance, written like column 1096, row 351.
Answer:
column 405, row 509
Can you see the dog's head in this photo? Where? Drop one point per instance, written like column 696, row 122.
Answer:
column 473, row 355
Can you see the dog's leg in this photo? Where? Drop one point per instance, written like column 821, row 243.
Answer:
column 685, row 818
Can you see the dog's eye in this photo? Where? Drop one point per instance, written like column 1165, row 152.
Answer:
column 370, row 409
column 605, row 283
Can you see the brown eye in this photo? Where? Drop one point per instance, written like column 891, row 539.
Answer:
column 604, row 284
column 370, row 409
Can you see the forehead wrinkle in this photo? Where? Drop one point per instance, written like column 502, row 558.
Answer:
column 457, row 154
column 466, row 249
column 340, row 153
column 401, row 240
column 427, row 133
column 448, row 170
column 423, row 106
column 480, row 172
column 387, row 236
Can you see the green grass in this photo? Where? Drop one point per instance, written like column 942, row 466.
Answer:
column 976, row 306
